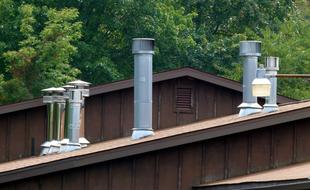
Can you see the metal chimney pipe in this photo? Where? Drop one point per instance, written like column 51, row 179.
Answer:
column 67, row 111
column 250, row 50
column 59, row 100
column 54, row 99
column 48, row 99
column 76, row 99
column 272, row 67
column 143, row 50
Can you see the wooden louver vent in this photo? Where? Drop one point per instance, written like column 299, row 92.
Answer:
column 184, row 99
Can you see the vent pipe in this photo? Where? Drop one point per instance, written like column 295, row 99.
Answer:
column 250, row 50
column 55, row 101
column 143, row 50
column 272, row 67
column 67, row 112
column 76, row 99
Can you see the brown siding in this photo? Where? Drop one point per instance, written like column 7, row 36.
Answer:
column 35, row 131
column 110, row 115
column 283, row 138
column 181, row 167
column 93, row 118
column 17, row 135
column 3, row 138
column 121, row 174
column 145, row 172
column 215, row 160
column 237, row 155
column 92, row 175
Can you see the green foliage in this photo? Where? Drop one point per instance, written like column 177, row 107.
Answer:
column 13, row 90
column 43, row 57
column 47, row 43
column 292, row 45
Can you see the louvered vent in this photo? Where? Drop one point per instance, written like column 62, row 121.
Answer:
column 184, row 99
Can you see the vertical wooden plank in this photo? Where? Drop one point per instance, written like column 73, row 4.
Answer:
column 98, row 177
column 284, row 144
column 145, row 166
column 206, row 98
column 223, row 102
column 36, row 126
column 112, row 115
column 168, row 169
column 191, row 165
column 167, row 112
column 74, row 179
column 302, row 140
column 7, row 186
column 237, row 154
column 17, row 135
column 155, row 106
column 121, row 174
column 51, row 181
column 260, row 150
column 93, row 124
column 236, row 101
column 128, row 111
column 3, row 137
column 215, row 160
column 27, row 184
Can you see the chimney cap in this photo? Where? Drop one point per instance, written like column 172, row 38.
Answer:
column 250, row 48
column 68, row 86
column 53, row 89
column 79, row 83
column 143, row 45
column 272, row 63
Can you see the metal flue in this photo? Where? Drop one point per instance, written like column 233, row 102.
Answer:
column 75, row 102
column 272, row 67
column 250, row 50
column 143, row 50
column 55, row 101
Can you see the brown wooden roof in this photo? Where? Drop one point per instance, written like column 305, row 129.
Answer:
column 124, row 147
column 207, row 77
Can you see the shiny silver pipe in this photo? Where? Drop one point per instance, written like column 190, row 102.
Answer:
column 143, row 50
column 272, row 67
column 76, row 100
column 53, row 98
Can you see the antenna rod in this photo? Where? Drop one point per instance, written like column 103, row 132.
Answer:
column 289, row 75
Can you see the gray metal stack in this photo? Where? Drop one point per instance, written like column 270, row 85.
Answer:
column 250, row 50
column 272, row 67
column 143, row 50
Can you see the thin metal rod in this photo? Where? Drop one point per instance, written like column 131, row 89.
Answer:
column 290, row 75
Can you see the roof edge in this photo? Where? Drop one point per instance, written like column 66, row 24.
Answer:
column 261, row 121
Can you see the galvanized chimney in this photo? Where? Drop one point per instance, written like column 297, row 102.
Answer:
column 76, row 99
column 250, row 50
column 143, row 50
column 272, row 67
